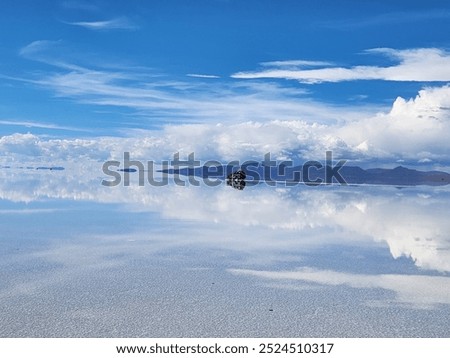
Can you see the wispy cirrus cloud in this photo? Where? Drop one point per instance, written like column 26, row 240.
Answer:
column 148, row 95
column 295, row 63
column 420, row 65
column 201, row 76
column 35, row 124
column 34, row 49
column 50, row 52
column 119, row 23
column 184, row 101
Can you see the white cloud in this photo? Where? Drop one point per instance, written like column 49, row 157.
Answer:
column 186, row 101
column 36, row 48
column 295, row 63
column 121, row 23
column 158, row 98
column 413, row 129
column 423, row 64
column 29, row 211
column 248, row 140
column 418, row 125
column 201, row 76
column 34, row 124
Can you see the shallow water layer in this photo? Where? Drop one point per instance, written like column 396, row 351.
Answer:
column 78, row 259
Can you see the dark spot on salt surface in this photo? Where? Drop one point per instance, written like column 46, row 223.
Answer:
column 50, row 168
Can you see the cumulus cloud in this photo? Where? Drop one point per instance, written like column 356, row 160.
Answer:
column 32, row 148
column 422, row 64
column 417, row 125
column 414, row 129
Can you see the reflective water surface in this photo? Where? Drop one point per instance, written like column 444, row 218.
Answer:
column 79, row 259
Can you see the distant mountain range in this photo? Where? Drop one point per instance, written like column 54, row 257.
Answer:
column 309, row 174
column 316, row 174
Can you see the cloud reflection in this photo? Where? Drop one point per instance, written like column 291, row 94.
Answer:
column 412, row 222
column 418, row 290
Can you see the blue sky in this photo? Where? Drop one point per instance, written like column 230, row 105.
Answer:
column 76, row 70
